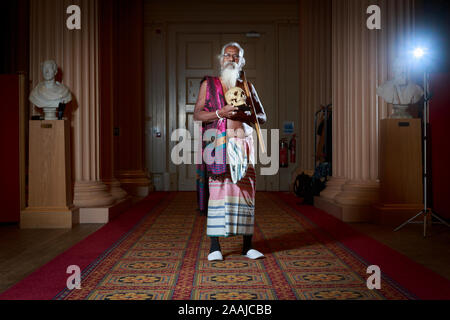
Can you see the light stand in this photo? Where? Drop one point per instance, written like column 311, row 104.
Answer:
column 428, row 213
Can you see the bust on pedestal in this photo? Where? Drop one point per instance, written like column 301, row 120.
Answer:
column 400, row 161
column 50, row 194
column 49, row 94
column 400, row 92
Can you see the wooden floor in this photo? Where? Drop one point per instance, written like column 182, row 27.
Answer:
column 23, row 251
column 433, row 251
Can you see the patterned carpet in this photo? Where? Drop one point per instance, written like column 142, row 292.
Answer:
column 164, row 257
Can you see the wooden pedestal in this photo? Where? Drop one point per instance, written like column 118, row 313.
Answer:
column 400, row 170
column 50, row 202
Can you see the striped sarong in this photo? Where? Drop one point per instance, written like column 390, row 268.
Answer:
column 231, row 206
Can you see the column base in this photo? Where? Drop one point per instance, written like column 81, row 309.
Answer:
column 92, row 194
column 49, row 218
column 345, row 213
column 136, row 183
column 348, row 200
column 115, row 189
column 334, row 187
column 393, row 214
column 104, row 215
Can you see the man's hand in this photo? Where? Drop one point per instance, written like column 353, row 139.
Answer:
column 244, row 117
column 229, row 111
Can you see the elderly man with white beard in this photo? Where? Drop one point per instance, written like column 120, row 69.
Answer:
column 227, row 185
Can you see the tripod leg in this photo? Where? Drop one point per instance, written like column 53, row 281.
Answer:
column 425, row 219
column 405, row 223
column 440, row 219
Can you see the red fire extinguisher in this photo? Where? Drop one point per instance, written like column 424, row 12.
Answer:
column 292, row 148
column 283, row 153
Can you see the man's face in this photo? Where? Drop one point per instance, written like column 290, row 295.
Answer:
column 231, row 58
column 48, row 71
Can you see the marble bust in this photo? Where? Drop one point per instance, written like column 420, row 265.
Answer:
column 49, row 93
column 400, row 92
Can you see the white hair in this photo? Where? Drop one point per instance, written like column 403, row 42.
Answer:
column 241, row 53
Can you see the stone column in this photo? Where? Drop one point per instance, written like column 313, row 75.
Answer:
column 315, row 72
column 355, row 101
column 360, row 60
column 81, row 50
column 129, row 111
column 107, row 60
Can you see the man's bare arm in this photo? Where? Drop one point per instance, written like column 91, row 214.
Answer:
column 260, row 113
column 205, row 116
column 199, row 113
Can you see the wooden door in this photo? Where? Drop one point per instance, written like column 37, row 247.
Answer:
column 197, row 57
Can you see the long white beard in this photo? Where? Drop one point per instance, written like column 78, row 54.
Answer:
column 230, row 74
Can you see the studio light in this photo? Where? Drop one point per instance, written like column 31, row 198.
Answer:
column 427, row 211
column 419, row 52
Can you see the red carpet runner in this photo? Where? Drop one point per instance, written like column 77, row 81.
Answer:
column 157, row 250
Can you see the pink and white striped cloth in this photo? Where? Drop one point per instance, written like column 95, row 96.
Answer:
column 231, row 206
